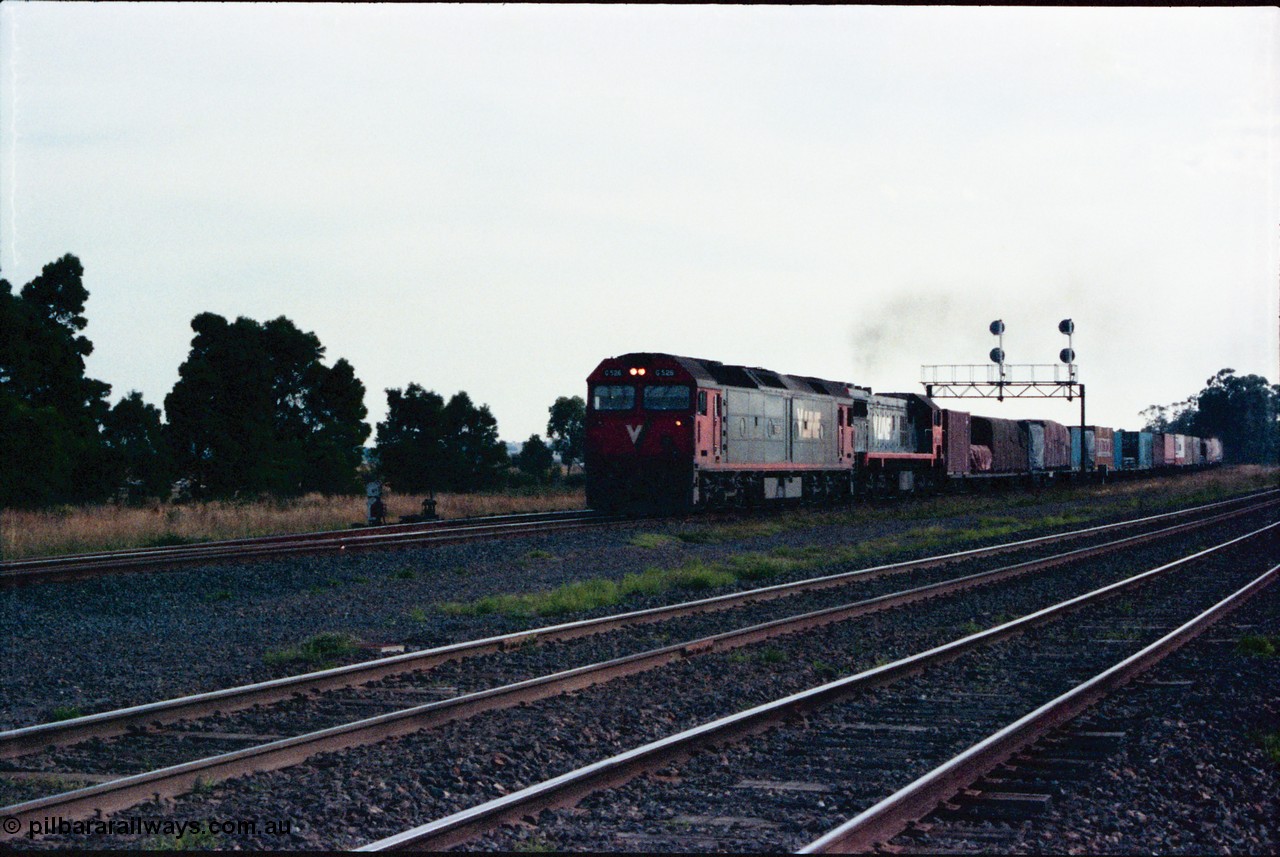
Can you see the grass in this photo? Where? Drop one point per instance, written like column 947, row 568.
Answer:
column 1271, row 746
column 79, row 529
column 652, row 540
column 824, row 670
column 1257, row 645
column 700, row 575
column 733, row 532
column 767, row 655
column 198, row 839
column 535, row 845
column 65, row 712
column 322, row 650
column 585, row 595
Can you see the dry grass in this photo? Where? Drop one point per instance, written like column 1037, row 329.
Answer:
column 79, row 529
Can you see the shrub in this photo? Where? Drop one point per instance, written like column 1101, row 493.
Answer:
column 1257, row 646
column 321, row 649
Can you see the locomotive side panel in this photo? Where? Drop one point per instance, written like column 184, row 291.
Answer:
column 814, row 440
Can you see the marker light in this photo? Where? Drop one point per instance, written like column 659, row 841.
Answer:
column 678, row 423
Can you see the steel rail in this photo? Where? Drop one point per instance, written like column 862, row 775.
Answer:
column 76, row 566
column 71, row 568
column 567, row 789
column 169, row 782
column 107, row 724
column 174, row 780
column 886, row 819
column 417, row 526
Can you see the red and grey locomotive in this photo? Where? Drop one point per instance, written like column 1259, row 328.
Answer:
column 670, row 433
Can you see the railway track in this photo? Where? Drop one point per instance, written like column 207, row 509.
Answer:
column 846, row 739
column 79, row 566
column 107, row 724
column 126, row 791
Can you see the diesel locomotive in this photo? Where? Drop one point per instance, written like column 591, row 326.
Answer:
column 670, row 433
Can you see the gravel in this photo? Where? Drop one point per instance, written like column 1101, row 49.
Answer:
column 341, row 800
column 95, row 645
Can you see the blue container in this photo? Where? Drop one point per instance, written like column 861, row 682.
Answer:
column 1137, row 449
column 1117, row 458
column 1075, row 448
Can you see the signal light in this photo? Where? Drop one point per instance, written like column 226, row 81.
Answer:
column 1066, row 355
column 997, row 355
column 1067, row 326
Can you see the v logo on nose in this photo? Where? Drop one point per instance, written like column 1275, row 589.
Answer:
column 635, row 432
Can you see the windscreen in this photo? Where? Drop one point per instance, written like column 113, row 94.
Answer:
column 667, row 398
column 613, row 397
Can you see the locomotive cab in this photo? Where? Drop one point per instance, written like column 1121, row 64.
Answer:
column 641, row 424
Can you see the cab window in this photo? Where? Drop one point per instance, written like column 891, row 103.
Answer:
column 613, row 397
column 666, row 398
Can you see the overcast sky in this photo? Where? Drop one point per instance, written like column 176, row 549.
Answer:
column 494, row 198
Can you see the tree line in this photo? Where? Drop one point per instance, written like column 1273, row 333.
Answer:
column 255, row 411
column 1242, row 410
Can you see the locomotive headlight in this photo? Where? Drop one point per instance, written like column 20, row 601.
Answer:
column 679, row 423
column 641, row 371
column 633, row 370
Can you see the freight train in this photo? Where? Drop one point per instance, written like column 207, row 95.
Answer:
column 668, row 433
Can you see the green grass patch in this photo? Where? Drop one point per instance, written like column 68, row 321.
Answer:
column 767, row 655
column 770, row 655
column 198, row 839
column 535, row 845
column 1271, row 746
column 698, row 577
column 65, row 712
column 789, row 561
column 755, row 566
column 1256, row 645
column 320, row 650
column 403, row 574
column 734, row 532
column 539, row 554
column 417, row 614
column 824, row 671
column 653, row 540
